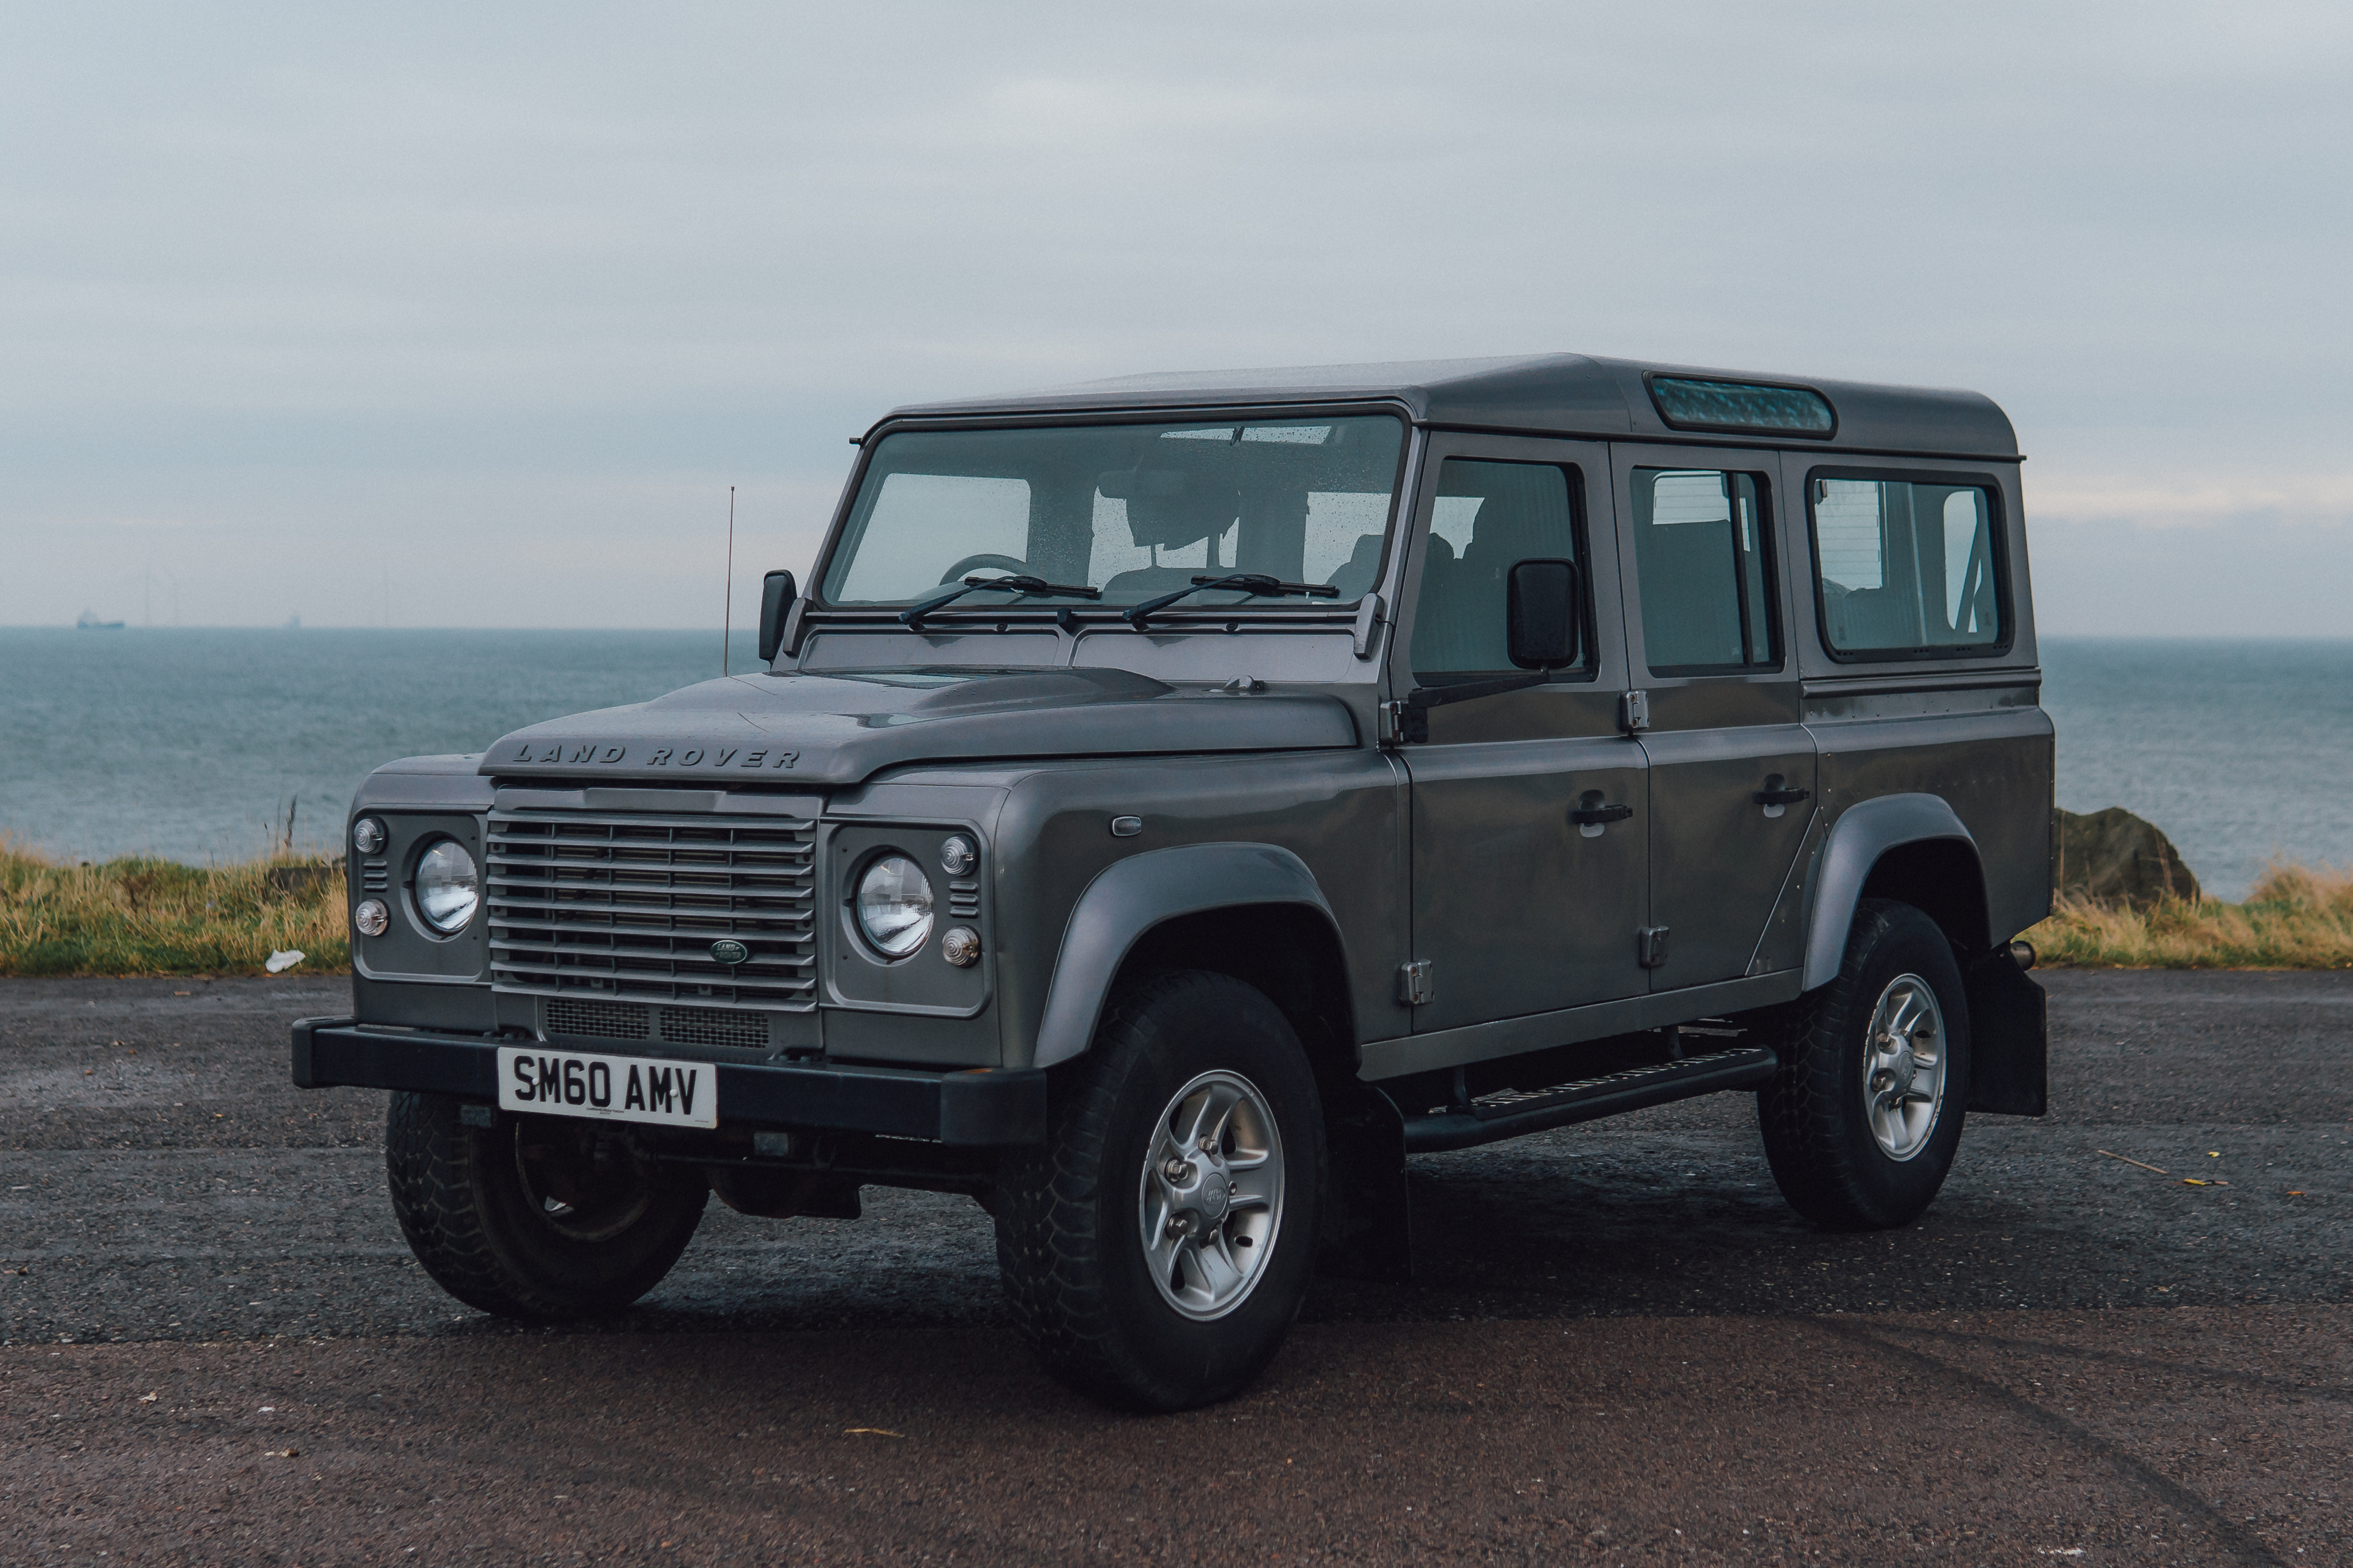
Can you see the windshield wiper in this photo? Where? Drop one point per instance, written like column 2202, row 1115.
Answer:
column 1030, row 587
column 1258, row 584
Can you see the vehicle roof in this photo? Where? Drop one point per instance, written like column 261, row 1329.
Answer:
column 1558, row 394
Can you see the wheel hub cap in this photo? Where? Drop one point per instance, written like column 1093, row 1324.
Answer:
column 1210, row 1201
column 1904, row 1066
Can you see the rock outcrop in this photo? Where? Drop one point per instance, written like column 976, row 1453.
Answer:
column 2114, row 857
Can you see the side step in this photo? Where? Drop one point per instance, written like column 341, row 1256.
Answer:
column 1513, row 1111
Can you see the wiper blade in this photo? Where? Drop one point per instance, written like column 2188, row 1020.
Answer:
column 1258, row 584
column 1030, row 587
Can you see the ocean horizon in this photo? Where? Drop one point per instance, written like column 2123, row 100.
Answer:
column 192, row 744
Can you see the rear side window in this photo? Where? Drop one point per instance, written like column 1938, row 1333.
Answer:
column 1906, row 568
column 1703, row 556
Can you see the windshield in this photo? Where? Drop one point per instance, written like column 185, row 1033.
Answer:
column 1137, row 510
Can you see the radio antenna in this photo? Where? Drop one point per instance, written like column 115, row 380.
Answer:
column 727, row 612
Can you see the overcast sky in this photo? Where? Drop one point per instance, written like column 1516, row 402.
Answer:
column 476, row 312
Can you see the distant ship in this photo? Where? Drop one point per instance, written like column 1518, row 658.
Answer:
column 90, row 623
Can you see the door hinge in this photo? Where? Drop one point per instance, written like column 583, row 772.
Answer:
column 1634, row 712
column 1404, row 724
column 1417, row 986
column 1651, row 946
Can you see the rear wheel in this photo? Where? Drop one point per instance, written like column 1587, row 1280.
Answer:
column 536, row 1216
column 1157, row 1247
column 1863, row 1119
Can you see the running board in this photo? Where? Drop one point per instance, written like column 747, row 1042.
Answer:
column 1513, row 1111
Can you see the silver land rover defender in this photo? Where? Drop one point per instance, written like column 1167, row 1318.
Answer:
column 1177, row 801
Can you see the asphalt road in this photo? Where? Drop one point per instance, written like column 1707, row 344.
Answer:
column 1620, row 1347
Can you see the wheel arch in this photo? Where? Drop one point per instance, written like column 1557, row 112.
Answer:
column 1251, row 910
column 1907, row 846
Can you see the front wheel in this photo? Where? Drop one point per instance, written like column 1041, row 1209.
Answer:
column 1863, row 1119
column 1157, row 1246
column 539, row 1218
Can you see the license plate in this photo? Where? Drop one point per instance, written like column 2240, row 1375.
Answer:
column 615, row 1089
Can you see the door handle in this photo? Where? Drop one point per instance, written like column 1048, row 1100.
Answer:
column 1586, row 816
column 1781, row 796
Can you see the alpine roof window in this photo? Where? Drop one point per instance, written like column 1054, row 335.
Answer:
column 1688, row 403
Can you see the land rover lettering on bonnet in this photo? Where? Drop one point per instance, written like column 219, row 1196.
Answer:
column 1172, row 804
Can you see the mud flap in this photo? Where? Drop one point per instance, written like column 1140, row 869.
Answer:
column 2010, row 1037
column 1369, row 1232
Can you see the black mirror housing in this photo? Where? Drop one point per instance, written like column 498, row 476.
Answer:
column 776, row 595
column 1541, row 605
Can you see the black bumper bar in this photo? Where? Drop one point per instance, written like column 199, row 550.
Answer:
column 969, row 1108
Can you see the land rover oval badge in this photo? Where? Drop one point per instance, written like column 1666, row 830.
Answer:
column 727, row 950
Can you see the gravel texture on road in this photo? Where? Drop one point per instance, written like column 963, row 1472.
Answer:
column 1620, row 1347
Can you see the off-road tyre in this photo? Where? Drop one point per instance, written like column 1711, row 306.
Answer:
column 1068, row 1244
column 1814, row 1111
column 475, row 1223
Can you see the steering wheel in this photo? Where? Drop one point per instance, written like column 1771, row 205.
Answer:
column 955, row 573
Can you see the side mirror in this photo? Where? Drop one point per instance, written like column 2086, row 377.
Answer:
column 1540, row 603
column 775, row 598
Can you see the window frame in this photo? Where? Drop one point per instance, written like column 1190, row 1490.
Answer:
column 1574, row 475
column 1997, row 531
column 1768, row 547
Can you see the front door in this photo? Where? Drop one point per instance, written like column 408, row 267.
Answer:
column 1530, row 808
column 1732, row 768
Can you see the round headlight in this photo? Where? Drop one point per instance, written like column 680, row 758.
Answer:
column 895, row 905
column 368, row 835
column 449, row 888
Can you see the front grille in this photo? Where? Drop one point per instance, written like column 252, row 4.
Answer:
column 714, row 1026
column 603, row 1020
column 627, row 906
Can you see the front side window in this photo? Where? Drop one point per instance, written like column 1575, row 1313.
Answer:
column 1134, row 510
column 1703, row 556
column 1486, row 518
column 1906, row 568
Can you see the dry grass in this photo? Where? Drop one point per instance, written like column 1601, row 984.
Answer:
column 158, row 917
column 2295, row 917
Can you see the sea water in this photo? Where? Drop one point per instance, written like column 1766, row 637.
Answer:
column 193, row 744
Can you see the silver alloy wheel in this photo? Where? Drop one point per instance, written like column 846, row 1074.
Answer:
column 1210, row 1198
column 1903, row 1066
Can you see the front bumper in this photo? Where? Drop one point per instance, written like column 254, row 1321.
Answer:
column 981, row 1107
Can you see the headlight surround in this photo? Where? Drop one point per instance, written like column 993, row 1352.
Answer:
column 448, row 887
column 895, row 905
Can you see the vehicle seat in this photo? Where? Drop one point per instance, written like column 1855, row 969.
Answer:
column 1354, row 575
column 1874, row 617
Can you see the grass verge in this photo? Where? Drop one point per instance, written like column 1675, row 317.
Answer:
column 158, row 917
column 2295, row 917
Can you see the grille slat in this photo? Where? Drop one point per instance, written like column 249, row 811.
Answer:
column 593, row 905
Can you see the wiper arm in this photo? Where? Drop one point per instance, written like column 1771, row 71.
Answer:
column 1258, row 584
column 1030, row 587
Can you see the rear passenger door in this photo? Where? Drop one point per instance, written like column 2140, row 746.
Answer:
column 1733, row 785
column 1529, row 853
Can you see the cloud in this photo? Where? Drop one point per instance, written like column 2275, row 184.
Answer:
column 277, row 268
